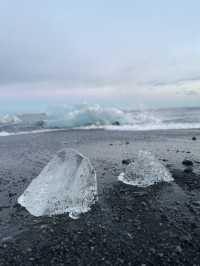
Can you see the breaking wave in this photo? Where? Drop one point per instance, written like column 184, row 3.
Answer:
column 84, row 116
column 95, row 116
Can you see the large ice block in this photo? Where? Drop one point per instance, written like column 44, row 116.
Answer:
column 145, row 171
column 67, row 184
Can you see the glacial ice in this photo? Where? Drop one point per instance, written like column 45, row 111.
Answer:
column 10, row 119
column 67, row 184
column 145, row 171
column 84, row 116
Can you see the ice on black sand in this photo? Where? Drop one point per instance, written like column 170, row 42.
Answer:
column 67, row 184
column 146, row 170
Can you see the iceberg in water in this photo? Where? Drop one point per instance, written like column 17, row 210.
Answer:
column 146, row 170
column 67, row 184
column 85, row 115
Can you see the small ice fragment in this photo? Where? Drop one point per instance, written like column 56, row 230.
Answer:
column 66, row 184
column 145, row 171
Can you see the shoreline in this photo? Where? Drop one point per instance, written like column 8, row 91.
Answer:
column 4, row 133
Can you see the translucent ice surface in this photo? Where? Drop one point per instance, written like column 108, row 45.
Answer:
column 67, row 184
column 145, row 171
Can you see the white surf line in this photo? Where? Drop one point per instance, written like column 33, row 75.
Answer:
column 37, row 131
column 151, row 128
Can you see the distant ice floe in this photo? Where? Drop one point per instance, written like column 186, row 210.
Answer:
column 67, row 184
column 10, row 119
column 145, row 171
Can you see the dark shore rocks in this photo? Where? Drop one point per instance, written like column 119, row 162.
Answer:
column 194, row 138
column 187, row 162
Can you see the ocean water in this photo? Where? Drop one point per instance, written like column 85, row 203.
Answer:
column 94, row 116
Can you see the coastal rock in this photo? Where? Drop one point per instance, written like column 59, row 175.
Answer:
column 194, row 138
column 67, row 184
column 145, row 171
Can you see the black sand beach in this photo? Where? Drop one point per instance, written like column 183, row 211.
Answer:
column 159, row 225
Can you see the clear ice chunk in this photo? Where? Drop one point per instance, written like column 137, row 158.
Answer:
column 67, row 184
column 145, row 171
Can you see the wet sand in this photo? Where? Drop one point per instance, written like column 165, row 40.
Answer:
column 159, row 225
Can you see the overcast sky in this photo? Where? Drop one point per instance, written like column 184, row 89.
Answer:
column 122, row 53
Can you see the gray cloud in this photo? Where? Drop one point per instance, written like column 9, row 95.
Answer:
column 71, row 46
column 190, row 92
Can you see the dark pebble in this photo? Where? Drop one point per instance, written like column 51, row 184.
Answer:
column 164, row 217
column 187, row 162
column 188, row 170
column 11, row 195
column 126, row 161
